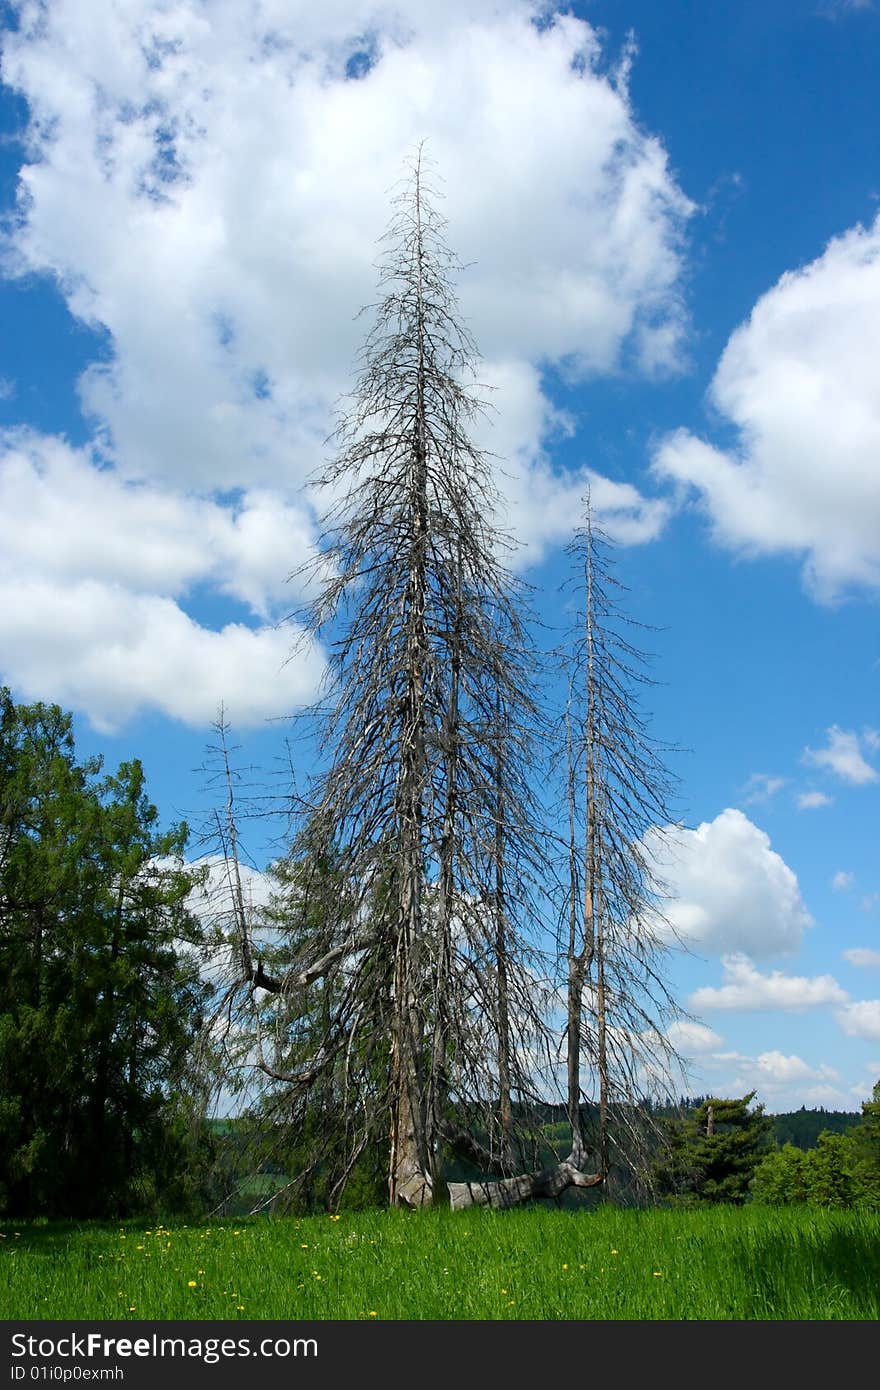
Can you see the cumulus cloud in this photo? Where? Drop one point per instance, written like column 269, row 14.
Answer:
column 206, row 187
column 64, row 519
column 540, row 503
column 693, row 1039
column 786, row 1083
column 728, row 891
column 780, row 1069
column 862, row 956
column 782, row 1080
column 745, row 988
column 798, row 382
column 842, row 881
column 231, row 186
column 843, row 756
column 861, row 1019
column 116, row 653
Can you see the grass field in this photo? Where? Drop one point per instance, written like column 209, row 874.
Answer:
column 714, row 1263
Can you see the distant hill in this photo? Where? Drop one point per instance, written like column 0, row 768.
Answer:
column 803, row 1127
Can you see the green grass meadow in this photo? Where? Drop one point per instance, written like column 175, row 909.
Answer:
column 605, row 1264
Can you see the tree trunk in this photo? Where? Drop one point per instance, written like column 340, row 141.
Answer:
column 409, row 1181
column 505, row 1104
column 509, row 1192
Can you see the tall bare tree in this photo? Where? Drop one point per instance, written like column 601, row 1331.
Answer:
column 619, row 1006
column 427, row 786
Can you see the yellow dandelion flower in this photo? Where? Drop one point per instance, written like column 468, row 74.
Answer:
column 565, row 1266
column 614, row 1252
column 504, row 1291
column 658, row 1273
column 373, row 1313
column 191, row 1284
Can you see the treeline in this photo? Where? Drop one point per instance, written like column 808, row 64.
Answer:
column 721, row 1150
column 799, row 1127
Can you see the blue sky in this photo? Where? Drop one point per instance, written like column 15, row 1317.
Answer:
column 669, row 215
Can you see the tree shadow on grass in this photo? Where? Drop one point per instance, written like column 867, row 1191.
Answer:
column 810, row 1276
column 48, row 1237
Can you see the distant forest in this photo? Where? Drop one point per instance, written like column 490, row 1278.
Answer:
column 803, row 1127
column 798, row 1127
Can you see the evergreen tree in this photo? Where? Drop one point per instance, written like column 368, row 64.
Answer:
column 712, row 1153
column 98, row 1009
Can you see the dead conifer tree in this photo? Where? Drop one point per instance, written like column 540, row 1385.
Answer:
column 435, row 1032
column 617, row 788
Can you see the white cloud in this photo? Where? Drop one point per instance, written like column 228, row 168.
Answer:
column 762, row 786
column 829, row 1097
column 776, row 1069
column 862, row 956
column 782, row 1081
column 842, row 881
column 693, row 1039
column 843, row 757
column 212, row 902
column 798, row 381
column 728, row 891
column 255, row 256
column 64, row 519
column 861, row 1019
column 94, row 573
column 115, row 653
column 541, row 504
column 745, row 988
column 811, row 801
column 207, row 188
